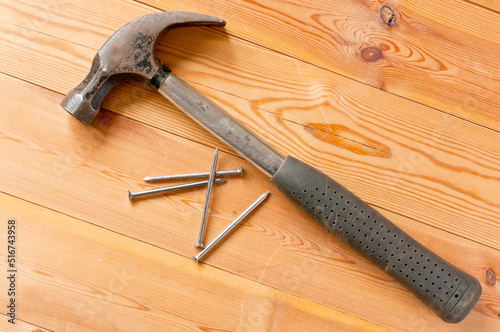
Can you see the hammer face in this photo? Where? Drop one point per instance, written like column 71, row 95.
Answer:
column 79, row 108
column 84, row 101
column 130, row 54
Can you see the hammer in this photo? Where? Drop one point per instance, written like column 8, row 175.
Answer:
column 130, row 54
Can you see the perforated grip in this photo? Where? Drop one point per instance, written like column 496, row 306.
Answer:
column 448, row 291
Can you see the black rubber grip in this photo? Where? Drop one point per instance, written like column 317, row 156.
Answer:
column 447, row 290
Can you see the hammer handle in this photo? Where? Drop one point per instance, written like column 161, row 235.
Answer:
column 221, row 124
column 448, row 291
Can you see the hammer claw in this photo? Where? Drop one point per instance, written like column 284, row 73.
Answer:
column 130, row 54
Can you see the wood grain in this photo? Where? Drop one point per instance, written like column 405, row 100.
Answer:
column 428, row 160
column 85, row 172
column 20, row 326
column 439, row 53
column 396, row 154
column 103, row 281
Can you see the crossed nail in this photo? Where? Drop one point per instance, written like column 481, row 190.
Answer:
column 213, row 178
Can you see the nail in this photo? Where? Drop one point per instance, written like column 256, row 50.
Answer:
column 230, row 227
column 207, row 199
column 238, row 171
column 172, row 188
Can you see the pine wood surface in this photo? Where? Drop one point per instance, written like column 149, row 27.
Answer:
column 20, row 327
column 415, row 133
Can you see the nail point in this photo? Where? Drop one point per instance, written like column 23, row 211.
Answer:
column 232, row 225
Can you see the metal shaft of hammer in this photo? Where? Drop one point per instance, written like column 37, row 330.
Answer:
column 221, row 124
column 130, row 54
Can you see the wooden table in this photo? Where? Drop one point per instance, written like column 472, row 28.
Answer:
column 404, row 115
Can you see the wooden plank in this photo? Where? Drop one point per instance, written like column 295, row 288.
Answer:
column 489, row 4
column 84, row 172
column 277, row 106
column 433, row 55
column 103, row 281
column 437, row 53
column 19, row 326
column 396, row 154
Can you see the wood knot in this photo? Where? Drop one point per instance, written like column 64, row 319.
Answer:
column 384, row 47
column 371, row 54
column 388, row 16
column 491, row 277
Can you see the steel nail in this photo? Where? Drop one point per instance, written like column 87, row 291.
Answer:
column 172, row 188
column 230, row 227
column 238, row 171
column 207, row 199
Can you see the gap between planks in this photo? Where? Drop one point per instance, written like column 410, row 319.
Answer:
column 234, row 154
column 20, row 326
column 72, row 231
column 213, row 140
column 420, row 21
column 477, row 265
column 282, row 53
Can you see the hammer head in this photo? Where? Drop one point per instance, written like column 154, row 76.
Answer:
column 130, row 54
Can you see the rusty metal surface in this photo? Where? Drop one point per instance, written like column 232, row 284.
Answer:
column 130, row 54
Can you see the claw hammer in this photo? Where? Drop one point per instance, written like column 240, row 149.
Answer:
column 130, row 54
